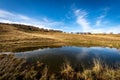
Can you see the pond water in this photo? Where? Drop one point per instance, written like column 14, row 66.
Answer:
column 76, row 56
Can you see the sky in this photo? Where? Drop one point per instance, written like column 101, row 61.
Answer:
column 96, row 16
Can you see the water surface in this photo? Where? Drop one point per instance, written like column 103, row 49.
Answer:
column 76, row 56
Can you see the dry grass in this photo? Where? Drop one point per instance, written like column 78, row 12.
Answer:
column 11, row 35
column 12, row 68
column 97, row 72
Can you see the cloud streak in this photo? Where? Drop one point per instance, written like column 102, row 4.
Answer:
column 80, row 24
column 100, row 19
column 81, row 20
column 100, row 25
column 8, row 17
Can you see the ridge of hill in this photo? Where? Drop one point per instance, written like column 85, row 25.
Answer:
column 13, row 36
column 5, row 27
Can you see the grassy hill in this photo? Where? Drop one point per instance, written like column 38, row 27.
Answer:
column 17, row 37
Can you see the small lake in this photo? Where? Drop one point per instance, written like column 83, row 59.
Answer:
column 76, row 56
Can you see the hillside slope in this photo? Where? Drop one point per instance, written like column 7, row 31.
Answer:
column 19, row 36
column 17, row 31
column 16, row 36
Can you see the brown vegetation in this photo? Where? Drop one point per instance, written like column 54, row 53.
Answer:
column 12, row 68
column 22, row 36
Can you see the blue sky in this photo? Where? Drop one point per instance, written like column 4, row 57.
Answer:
column 66, row 15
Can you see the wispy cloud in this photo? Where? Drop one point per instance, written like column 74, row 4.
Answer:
column 81, row 19
column 100, row 19
column 100, row 25
column 8, row 17
column 81, row 22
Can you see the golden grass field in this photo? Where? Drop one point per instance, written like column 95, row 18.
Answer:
column 13, row 37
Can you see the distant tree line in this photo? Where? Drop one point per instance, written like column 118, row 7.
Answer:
column 90, row 33
column 28, row 28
